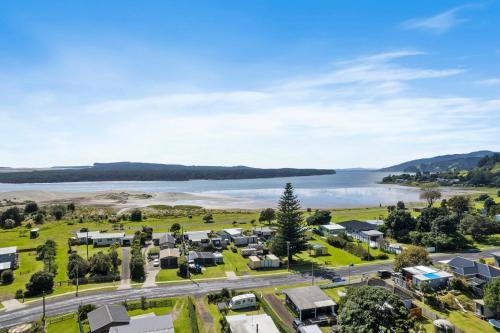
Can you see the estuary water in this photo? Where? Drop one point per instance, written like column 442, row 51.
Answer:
column 343, row 189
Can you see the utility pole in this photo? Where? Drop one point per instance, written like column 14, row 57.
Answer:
column 288, row 254
column 87, row 241
column 43, row 304
column 312, row 272
column 77, row 282
column 349, row 272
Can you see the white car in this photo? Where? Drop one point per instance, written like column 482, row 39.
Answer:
column 156, row 262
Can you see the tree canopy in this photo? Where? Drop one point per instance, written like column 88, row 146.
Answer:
column 412, row 256
column 290, row 225
column 492, row 296
column 319, row 217
column 372, row 309
column 267, row 215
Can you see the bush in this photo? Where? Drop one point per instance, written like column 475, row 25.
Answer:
column 482, row 197
column 19, row 294
column 84, row 309
column 40, row 282
column 7, row 276
column 136, row 215
column 337, row 242
column 30, row 207
column 382, row 256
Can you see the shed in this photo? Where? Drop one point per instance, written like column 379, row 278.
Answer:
column 309, row 302
column 169, row 258
column 318, row 250
column 34, row 233
column 107, row 316
column 481, row 310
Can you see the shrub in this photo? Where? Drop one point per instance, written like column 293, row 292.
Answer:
column 136, row 215
column 30, row 207
column 337, row 242
column 84, row 309
column 19, row 294
column 382, row 256
column 40, row 282
column 482, row 197
column 7, row 276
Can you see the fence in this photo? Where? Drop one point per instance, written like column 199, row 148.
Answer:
column 58, row 319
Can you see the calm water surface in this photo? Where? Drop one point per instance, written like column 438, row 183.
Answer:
column 344, row 189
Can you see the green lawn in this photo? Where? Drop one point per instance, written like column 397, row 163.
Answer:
column 467, row 322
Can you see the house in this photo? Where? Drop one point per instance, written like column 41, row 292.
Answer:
column 481, row 310
column 243, row 301
column 318, row 250
column 8, row 258
column 354, row 228
column 105, row 239
column 309, row 329
column 197, row 237
column 309, row 302
column 417, row 275
column 230, row 234
column 331, row 229
column 81, row 237
column 264, row 232
column 496, row 258
column 372, row 237
column 251, row 323
column 164, row 240
column 169, row 258
column 474, row 271
column 245, row 240
column 127, row 240
column 395, row 248
column 34, row 233
column 107, row 316
column 148, row 323
column 201, row 258
column 267, row 261
column 249, row 251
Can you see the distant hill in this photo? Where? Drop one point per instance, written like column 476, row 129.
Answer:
column 130, row 171
column 442, row 163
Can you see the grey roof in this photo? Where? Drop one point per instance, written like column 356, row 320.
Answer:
column 146, row 324
column 462, row 266
column 372, row 233
column 309, row 297
column 496, row 254
column 204, row 255
column 110, row 235
column 170, row 252
column 106, row 315
column 164, row 238
column 8, row 250
column 310, row 329
column 358, row 225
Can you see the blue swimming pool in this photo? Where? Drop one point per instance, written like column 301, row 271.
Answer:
column 431, row 276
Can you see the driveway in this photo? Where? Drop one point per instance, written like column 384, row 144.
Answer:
column 125, row 271
column 151, row 271
column 279, row 308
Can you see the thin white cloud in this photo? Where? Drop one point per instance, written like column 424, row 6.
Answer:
column 439, row 23
column 489, row 82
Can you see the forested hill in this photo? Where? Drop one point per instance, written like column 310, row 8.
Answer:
column 442, row 163
column 129, row 171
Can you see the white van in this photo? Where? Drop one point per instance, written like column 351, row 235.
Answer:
column 243, row 301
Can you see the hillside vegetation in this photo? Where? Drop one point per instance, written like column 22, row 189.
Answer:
column 127, row 171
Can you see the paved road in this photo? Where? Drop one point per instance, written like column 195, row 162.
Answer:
column 68, row 303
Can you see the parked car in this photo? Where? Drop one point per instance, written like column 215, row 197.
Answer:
column 156, row 262
column 297, row 323
column 384, row 274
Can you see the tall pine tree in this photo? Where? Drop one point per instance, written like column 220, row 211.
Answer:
column 290, row 225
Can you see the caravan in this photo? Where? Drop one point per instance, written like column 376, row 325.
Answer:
column 243, row 301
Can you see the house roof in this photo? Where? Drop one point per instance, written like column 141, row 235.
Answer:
column 91, row 234
column 233, row 231
column 204, row 255
column 8, row 250
column 248, row 324
column 106, row 315
column 309, row 297
column 372, row 233
column 170, row 252
column 197, row 235
column 333, row 226
column 5, row 265
column 358, row 225
column 110, row 235
column 147, row 324
column 496, row 254
column 164, row 237
column 463, row 266
column 310, row 329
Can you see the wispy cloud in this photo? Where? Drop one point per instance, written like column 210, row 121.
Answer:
column 439, row 23
column 489, row 82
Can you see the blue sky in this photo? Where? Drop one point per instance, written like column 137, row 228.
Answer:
column 326, row 84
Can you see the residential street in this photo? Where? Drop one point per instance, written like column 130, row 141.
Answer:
column 67, row 303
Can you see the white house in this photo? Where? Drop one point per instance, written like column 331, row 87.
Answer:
column 230, row 234
column 106, row 239
column 331, row 229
